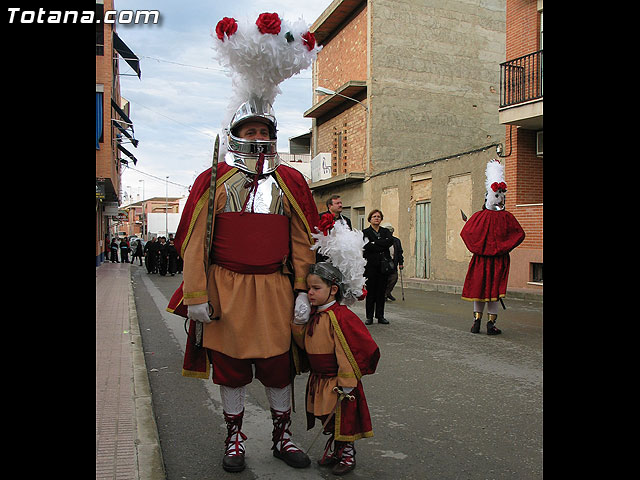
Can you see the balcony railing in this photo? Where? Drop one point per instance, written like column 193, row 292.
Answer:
column 521, row 79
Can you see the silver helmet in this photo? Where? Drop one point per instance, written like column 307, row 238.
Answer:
column 244, row 154
column 327, row 271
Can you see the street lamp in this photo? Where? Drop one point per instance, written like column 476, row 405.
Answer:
column 144, row 213
column 326, row 91
column 130, row 224
column 166, row 207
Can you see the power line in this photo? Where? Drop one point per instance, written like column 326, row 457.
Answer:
column 172, row 119
column 204, row 68
column 157, row 178
column 182, row 64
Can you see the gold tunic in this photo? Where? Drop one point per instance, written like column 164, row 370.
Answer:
column 322, row 400
column 255, row 310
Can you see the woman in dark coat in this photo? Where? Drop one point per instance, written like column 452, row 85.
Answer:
column 124, row 250
column 114, row 251
column 137, row 252
column 150, row 255
column 376, row 252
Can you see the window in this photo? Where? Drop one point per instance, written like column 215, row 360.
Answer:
column 536, row 272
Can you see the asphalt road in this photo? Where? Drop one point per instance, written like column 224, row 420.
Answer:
column 445, row 404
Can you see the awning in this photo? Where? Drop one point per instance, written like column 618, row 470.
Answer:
column 126, row 53
column 126, row 134
column 120, row 112
column 127, row 153
column 350, row 89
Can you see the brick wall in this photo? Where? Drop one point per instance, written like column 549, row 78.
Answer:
column 523, row 28
column 524, row 178
column 523, row 168
column 344, row 57
column 105, row 157
column 524, row 171
column 349, row 130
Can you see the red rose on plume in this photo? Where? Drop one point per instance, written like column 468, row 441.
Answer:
column 309, row 39
column 364, row 294
column 326, row 223
column 268, row 23
column 226, row 25
column 495, row 186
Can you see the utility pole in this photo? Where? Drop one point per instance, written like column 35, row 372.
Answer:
column 144, row 214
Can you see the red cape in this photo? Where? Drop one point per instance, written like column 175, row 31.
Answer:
column 352, row 418
column 297, row 192
column 490, row 232
column 356, row 340
column 490, row 235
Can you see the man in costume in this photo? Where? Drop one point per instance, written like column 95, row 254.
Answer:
column 339, row 347
column 490, row 235
column 260, row 222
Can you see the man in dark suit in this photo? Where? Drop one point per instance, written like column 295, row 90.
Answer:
column 334, row 206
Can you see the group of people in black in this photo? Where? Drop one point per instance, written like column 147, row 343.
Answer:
column 124, row 248
column 160, row 256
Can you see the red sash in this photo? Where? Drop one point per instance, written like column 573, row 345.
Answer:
column 323, row 364
column 262, row 252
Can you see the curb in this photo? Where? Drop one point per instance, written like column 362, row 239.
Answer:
column 434, row 286
column 148, row 452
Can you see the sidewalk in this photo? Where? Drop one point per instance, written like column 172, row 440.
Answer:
column 127, row 444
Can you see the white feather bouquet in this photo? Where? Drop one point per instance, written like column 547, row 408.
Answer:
column 344, row 248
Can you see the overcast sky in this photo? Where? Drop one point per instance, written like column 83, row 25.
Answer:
column 178, row 104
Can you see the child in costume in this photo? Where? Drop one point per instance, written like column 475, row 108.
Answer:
column 339, row 348
column 490, row 235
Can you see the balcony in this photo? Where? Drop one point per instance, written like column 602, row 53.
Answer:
column 521, row 92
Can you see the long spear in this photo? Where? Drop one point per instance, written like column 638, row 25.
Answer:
column 207, row 239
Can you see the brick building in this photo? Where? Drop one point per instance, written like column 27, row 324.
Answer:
column 114, row 128
column 521, row 111
column 413, row 122
column 140, row 217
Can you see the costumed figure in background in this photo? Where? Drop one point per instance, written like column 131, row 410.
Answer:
column 338, row 345
column 239, row 289
column 490, row 235
column 172, row 257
